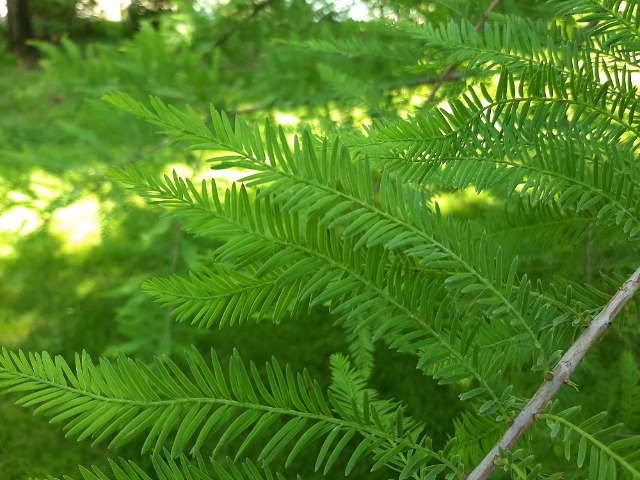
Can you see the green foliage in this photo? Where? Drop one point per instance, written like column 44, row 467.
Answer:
column 355, row 222
column 133, row 400
column 54, row 19
column 601, row 458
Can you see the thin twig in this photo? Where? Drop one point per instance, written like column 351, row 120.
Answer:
column 560, row 376
column 447, row 71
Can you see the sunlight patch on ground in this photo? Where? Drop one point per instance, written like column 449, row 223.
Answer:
column 286, row 119
column 78, row 225
column 19, row 220
column 14, row 223
column 462, row 200
column 15, row 329
column 47, row 188
column 26, row 216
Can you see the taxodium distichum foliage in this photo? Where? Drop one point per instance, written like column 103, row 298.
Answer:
column 501, row 307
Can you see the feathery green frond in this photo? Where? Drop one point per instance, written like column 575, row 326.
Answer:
column 525, row 226
column 352, row 47
column 400, row 221
column 547, row 128
column 204, row 409
column 361, row 345
column 122, row 470
column 624, row 403
column 475, row 436
column 349, row 88
column 601, row 451
column 562, row 158
column 358, row 278
column 511, row 44
column 168, row 468
column 616, row 22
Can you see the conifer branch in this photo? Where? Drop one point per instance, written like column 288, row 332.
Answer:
column 560, row 376
column 449, row 70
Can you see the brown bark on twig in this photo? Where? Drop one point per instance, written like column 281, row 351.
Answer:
column 560, row 376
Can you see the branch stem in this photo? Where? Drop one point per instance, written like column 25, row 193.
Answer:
column 560, row 376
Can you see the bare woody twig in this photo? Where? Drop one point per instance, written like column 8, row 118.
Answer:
column 447, row 71
column 566, row 366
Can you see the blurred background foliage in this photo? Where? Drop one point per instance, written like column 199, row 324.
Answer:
column 74, row 247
